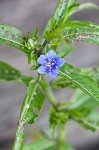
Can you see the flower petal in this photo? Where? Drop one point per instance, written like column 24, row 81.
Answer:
column 53, row 73
column 51, row 54
column 41, row 59
column 60, row 62
column 42, row 70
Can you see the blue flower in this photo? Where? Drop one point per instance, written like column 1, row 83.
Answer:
column 50, row 64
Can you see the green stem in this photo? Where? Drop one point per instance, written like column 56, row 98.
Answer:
column 61, row 136
column 52, row 98
column 40, row 77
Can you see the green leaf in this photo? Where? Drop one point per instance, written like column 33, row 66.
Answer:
column 62, row 82
column 83, row 110
column 8, row 73
column 67, row 147
column 35, row 106
column 85, row 83
column 88, row 5
column 36, row 36
column 62, row 13
column 30, row 108
column 70, row 3
column 93, row 72
column 57, row 118
column 66, row 48
column 71, row 6
column 11, row 36
column 81, row 101
column 32, row 103
column 40, row 144
column 81, row 31
column 44, row 143
column 87, row 123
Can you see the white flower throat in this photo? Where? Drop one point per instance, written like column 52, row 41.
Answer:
column 50, row 63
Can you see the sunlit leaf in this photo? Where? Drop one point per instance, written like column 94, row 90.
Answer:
column 81, row 31
column 88, row 5
column 85, row 83
column 12, row 36
column 62, row 12
column 32, row 103
column 30, row 108
column 62, row 82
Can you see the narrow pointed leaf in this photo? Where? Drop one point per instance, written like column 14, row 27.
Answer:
column 9, row 73
column 88, row 5
column 30, row 109
column 93, row 72
column 12, row 36
column 87, row 123
column 81, row 101
column 66, row 48
column 62, row 13
column 40, row 144
column 85, row 83
column 32, row 103
column 84, row 110
column 62, row 82
column 35, row 106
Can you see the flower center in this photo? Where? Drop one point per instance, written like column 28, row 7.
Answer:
column 50, row 63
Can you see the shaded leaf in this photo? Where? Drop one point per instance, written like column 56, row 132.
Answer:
column 93, row 72
column 57, row 118
column 81, row 101
column 66, row 48
column 40, row 144
column 9, row 73
column 85, row 112
column 89, row 123
column 62, row 82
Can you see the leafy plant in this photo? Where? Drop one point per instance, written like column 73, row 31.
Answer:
column 46, row 59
